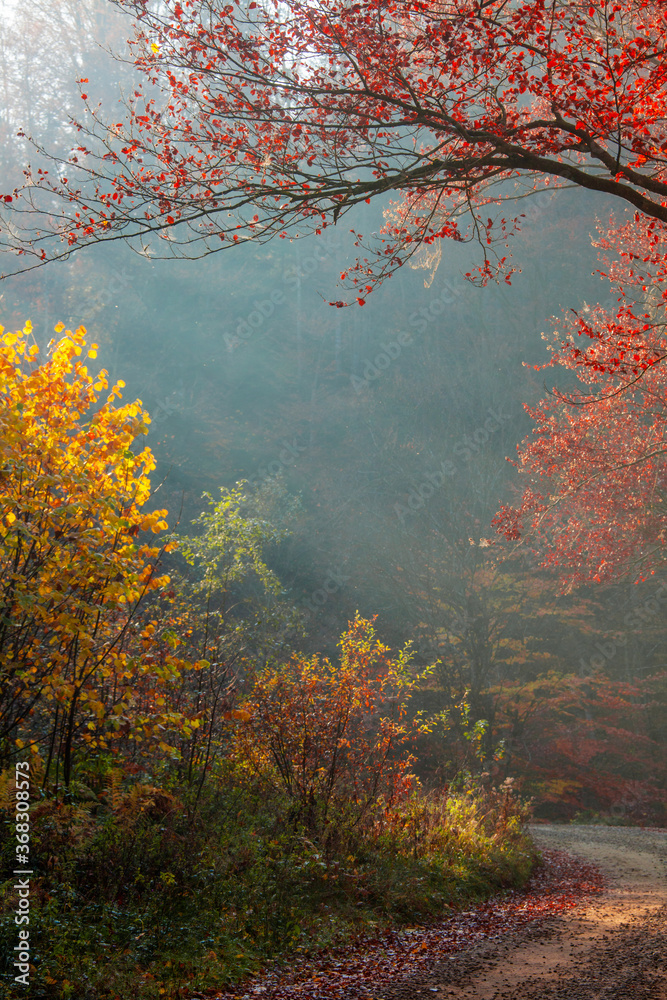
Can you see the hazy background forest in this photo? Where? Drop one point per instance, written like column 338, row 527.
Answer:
column 249, row 375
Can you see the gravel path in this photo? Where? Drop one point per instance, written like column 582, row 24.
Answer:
column 612, row 947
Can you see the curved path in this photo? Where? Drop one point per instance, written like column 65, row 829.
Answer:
column 611, row 947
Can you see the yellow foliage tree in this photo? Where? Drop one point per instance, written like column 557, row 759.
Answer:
column 75, row 559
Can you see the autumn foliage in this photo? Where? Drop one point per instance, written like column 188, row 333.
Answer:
column 593, row 506
column 588, row 745
column 76, row 556
column 272, row 117
column 331, row 736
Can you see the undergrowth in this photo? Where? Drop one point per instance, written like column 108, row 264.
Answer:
column 134, row 896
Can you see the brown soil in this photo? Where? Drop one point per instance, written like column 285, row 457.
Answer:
column 613, row 947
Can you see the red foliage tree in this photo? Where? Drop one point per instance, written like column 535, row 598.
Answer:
column 596, row 503
column 281, row 116
column 588, row 743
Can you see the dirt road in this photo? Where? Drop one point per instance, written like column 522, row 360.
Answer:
column 614, row 947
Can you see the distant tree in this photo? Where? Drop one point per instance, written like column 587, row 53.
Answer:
column 263, row 118
column 45, row 46
column 40, row 96
column 229, row 608
column 589, row 743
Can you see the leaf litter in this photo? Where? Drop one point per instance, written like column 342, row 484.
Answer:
column 360, row 971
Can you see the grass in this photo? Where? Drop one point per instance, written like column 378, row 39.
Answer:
column 134, row 898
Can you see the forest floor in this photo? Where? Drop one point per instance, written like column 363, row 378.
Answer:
column 590, row 925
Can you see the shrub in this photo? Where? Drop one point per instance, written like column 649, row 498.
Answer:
column 331, row 737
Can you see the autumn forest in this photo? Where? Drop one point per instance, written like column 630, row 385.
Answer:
column 332, row 457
